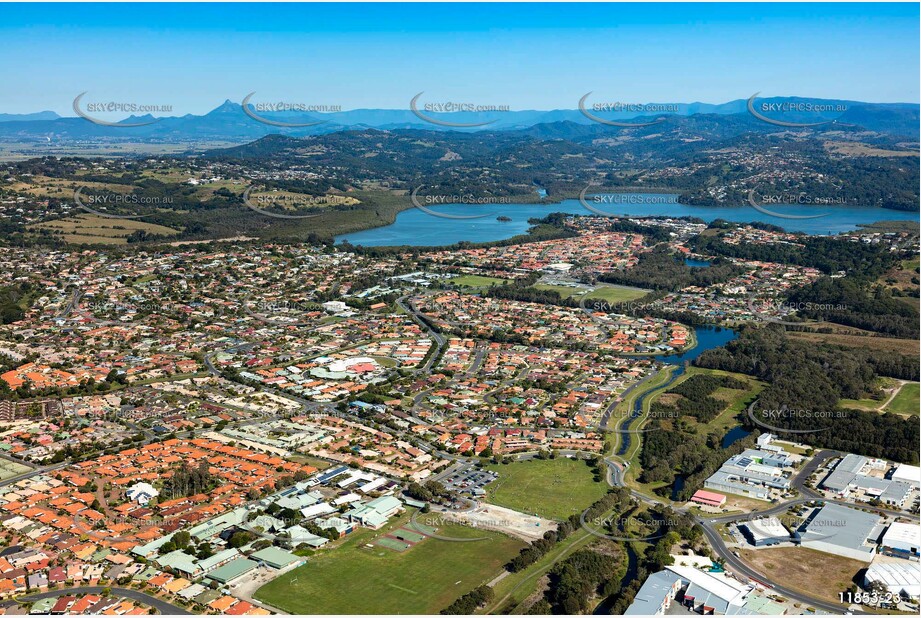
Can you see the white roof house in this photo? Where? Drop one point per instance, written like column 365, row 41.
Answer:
column 142, row 493
column 335, row 306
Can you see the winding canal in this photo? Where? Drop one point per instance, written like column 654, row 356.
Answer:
column 708, row 338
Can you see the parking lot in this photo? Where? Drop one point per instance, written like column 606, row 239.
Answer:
column 469, row 481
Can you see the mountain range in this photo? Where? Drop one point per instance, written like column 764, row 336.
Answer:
column 230, row 122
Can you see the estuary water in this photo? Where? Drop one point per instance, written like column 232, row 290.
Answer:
column 414, row 227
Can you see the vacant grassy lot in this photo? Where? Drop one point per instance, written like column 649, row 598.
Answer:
column 907, row 400
column 616, row 293
column 857, row 149
column 93, row 229
column 867, row 405
column 356, row 579
column 736, row 400
column 901, row 346
column 902, row 276
column 551, row 488
column 608, row 293
column 43, row 186
column 288, row 200
column 805, row 570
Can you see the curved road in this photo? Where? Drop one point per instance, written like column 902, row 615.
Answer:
column 616, row 477
column 439, row 340
column 135, row 595
column 737, row 565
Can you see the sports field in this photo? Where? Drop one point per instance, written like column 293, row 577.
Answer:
column 477, row 281
column 421, row 579
column 9, row 469
column 551, row 488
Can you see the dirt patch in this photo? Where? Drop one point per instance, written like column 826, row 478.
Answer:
column 859, row 149
column 805, row 570
column 491, row 517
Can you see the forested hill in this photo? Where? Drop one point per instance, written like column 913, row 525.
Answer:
column 707, row 159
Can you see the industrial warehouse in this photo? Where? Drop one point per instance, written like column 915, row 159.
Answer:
column 753, row 473
column 863, row 478
column 899, row 578
column 842, row 531
column 701, row 592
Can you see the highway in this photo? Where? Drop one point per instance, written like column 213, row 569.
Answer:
column 439, row 340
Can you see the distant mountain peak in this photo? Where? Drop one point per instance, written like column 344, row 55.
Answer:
column 135, row 119
column 227, row 106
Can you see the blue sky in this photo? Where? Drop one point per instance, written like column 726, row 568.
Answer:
column 527, row 56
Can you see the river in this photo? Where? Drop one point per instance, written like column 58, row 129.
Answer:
column 414, row 227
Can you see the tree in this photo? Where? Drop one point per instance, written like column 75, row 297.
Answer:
column 182, row 538
column 240, row 538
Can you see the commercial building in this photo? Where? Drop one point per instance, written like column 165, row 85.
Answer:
column 765, row 443
column 907, row 474
column 752, row 473
column 841, row 531
column 274, row 557
column 185, row 565
column 708, row 498
column 321, row 509
column 375, row 513
column 765, row 531
column 298, row 535
column 851, row 478
column 335, row 306
column 232, row 571
column 902, row 540
column 698, row 591
column 655, row 595
column 901, row 578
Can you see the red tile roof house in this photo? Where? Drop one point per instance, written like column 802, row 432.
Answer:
column 84, row 604
column 57, row 575
column 63, row 604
